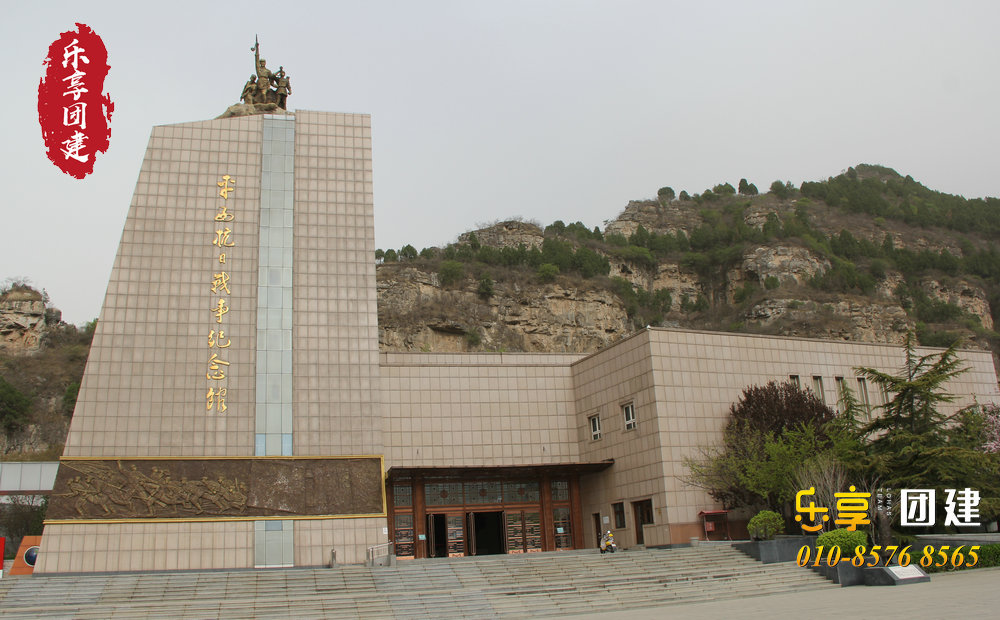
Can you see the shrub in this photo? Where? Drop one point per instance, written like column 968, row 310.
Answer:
column 485, row 286
column 744, row 293
column 14, row 408
column 616, row 239
column 700, row 304
column 765, row 525
column 847, row 540
column 450, row 272
column 547, row 272
column 69, row 397
column 771, row 283
column 589, row 263
column 989, row 556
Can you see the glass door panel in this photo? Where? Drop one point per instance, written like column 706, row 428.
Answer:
column 532, row 531
column 561, row 523
column 515, row 531
column 404, row 536
column 456, row 535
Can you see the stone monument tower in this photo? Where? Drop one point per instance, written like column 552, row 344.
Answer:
column 229, row 414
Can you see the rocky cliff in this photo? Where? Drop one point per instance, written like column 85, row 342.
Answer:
column 417, row 314
column 799, row 266
column 22, row 321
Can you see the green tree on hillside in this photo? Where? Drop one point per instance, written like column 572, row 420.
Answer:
column 407, row 252
column 665, row 195
column 782, row 190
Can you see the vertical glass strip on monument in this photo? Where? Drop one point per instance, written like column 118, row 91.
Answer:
column 274, row 289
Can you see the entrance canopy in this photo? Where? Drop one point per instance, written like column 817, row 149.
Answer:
column 399, row 474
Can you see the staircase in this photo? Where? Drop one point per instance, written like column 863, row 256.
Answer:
column 543, row 584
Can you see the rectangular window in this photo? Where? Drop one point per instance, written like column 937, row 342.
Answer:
column 628, row 412
column 863, row 397
column 818, row 389
column 794, row 380
column 886, row 397
column 840, row 393
column 595, row 426
column 619, row 512
column 443, row 494
column 560, row 490
column 402, row 495
column 520, row 492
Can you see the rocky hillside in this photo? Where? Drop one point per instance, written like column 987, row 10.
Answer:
column 868, row 255
column 41, row 365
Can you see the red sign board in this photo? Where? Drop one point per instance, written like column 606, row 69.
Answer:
column 72, row 111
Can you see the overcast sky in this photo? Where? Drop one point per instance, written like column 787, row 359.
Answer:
column 486, row 110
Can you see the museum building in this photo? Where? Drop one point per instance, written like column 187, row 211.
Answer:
column 236, row 411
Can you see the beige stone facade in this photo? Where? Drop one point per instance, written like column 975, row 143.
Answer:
column 298, row 359
column 485, row 452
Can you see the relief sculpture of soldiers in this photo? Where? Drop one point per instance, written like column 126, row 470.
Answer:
column 226, row 488
column 101, row 490
column 266, row 90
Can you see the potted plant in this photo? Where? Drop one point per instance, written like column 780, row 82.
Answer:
column 843, row 572
column 767, row 543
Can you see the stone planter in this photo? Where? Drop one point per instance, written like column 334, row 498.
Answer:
column 844, row 573
column 847, row 574
column 780, row 549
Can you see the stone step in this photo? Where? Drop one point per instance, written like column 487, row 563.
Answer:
column 486, row 586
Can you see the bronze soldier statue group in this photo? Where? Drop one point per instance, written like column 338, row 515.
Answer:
column 258, row 88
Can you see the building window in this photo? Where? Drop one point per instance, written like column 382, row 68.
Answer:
column 628, row 411
column 818, row 389
column 560, row 490
column 402, row 495
column 619, row 512
column 886, row 397
column 794, row 380
column 840, row 393
column 863, row 397
column 595, row 426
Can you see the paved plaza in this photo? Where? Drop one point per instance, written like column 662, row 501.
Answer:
column 960, row 595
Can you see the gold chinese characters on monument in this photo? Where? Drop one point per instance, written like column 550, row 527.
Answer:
column 222, row 240
column 209, row 488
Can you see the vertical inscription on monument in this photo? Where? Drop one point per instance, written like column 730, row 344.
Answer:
column 222, row 240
